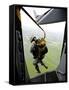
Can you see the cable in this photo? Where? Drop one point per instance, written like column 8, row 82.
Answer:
column 34, row 22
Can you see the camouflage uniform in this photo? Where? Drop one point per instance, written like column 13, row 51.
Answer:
column 39, row 49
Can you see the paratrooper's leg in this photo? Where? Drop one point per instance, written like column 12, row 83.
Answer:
column 43, row 64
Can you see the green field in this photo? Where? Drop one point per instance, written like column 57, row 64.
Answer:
column 52, row 58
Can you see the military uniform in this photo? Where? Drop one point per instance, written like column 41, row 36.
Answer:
column 39, row 49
